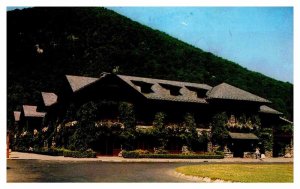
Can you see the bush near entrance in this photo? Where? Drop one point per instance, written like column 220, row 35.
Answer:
column 78, row 154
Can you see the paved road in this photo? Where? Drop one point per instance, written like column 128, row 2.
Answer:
column 68, row 171
column 27, row 167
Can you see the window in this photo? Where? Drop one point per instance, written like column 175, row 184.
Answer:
column 144, row 86
column 174, row 90
column 201, row 93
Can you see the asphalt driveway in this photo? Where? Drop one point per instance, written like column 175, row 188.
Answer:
column 94, row 171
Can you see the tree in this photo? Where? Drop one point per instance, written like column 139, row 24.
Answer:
column 160, row 130
column 219, row 132
column 84, row 134
column 127, row 117
column 190, row 135
column 265, row 142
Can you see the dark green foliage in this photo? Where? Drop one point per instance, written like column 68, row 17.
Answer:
column 134, row 154
column 37, row 141
column 160, row 150
column 127, row 115
column 60, row 152
column 219, row 131
column 127, row 138
column 24, row 141
column 79, row 154
column 84, row 134
column 286, row 129
column 180, row 156
column 159, row 121
column 49, row 151
column 48, row 135
column 190, row 135
column 88, row 41
column 242, row 119
column 71, row 113
column 87, row 112
column 160, row 130
column 130, row 154
column 255, row 120
column 204, row 138
column 265, row 139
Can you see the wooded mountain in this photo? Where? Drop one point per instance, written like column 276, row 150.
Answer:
column 44, row 44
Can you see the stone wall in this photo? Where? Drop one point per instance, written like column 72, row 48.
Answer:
column 289, row 152
column 249, row 155
column 268, row 154
column 228, row 155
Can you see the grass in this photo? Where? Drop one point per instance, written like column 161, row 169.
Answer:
column 242, row 172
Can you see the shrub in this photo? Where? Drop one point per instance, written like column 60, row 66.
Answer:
column 160, row 151
column 181, row 156
column 160, row 130
column 130, row 154
column 135, row 154
column 50, row 152
column 127, row 115
column 265, row 136
column 140, row 151
column 43, row 151
column 79, row 154
column 219, row 132
column 190, row 135
column 85, row 131
column 219, row 153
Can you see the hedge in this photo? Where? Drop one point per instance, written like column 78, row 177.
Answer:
column 62, row 152
column 50, row 152
column 78, row 154
column 132, row 154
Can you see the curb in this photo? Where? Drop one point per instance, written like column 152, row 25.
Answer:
column 200, row 179
column 27, row 156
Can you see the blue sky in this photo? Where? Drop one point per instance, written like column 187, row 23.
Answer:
column 258, row 38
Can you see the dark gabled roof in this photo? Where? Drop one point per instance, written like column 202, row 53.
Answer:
column 49, row 98
column 160, row 89
column 17, row 115
column 229, row 92
column 243, row 136
column 30, row 111
column 79, row 82
column 268, row 110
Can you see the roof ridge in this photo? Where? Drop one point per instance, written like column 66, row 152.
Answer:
column 164, row 80
column 79, row 82
column 230, row 92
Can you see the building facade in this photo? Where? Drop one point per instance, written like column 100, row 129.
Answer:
column 150, row 96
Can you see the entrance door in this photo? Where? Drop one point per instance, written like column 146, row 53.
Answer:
column 238, row 147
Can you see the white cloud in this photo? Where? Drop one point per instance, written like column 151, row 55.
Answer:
column 184, row 23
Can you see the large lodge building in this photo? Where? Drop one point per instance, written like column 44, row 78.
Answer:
column 150, row 96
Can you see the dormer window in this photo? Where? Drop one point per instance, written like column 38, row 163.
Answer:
column 174, row 90
column 143, row 86
column 201, row 93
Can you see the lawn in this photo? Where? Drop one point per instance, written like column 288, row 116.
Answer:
column 242, row 172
